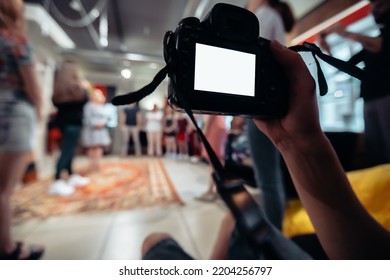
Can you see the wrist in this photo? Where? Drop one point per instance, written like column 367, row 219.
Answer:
column 305, row 143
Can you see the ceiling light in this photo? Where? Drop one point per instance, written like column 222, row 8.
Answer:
column 338, row 93
column 126, row 73
column 103, row 42
column 94, row 13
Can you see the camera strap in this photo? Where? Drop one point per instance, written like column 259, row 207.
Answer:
column 249, row 217
column 339, row 64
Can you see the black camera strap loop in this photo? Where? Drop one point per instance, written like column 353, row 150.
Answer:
column 341, row 65
column 214, row 161
column 136, row 96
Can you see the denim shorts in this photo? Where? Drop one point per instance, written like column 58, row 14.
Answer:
column 167, row 249
column 17, row 126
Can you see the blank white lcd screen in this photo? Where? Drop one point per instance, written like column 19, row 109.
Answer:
column 224, row 70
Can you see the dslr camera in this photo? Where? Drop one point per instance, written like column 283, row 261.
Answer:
column 221, row 66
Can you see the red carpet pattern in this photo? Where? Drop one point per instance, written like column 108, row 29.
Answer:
column 122, row 184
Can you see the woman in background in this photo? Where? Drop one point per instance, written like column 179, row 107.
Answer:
column 182, row 135
column 154, row 131
column 216, row 134
column 170, row 128
column 275, row 19
column 20, row 107
column 68, row 82
column 95, row 134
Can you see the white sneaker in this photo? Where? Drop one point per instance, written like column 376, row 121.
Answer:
column 61, row 188
column 194, row 159
column 78, row 181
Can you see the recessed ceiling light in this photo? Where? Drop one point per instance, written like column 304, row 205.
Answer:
column 94, row 13
column 338, row 93
column 103, row 42
column 126, row 73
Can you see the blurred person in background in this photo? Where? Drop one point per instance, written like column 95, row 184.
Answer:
column 154, row 131
column 20, row 110
column 70, row 94
column 130, row 125
column 112, row 124
column 275, row 18
column 170, row 128
column 375, row 87
column 182, row 135
column 95, row 134
column 215, row 131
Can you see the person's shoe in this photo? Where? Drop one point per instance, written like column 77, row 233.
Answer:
column 35, row 252
column 194, row 159
column 78, row 181
column 207, row 197
column 61, row 188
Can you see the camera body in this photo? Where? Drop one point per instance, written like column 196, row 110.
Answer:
column 222, row 66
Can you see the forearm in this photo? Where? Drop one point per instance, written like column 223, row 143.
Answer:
column 345, row 229
column 372, row 44
column 32, row 87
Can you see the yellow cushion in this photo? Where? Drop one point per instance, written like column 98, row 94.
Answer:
column 372, row 187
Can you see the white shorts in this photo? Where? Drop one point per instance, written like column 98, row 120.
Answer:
column 17, row 126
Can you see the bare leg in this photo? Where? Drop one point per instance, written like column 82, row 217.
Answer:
column 150, row 143
column 152, row 240
column 125, row 140
column 98, row 157
column 94, row 158
column 211, row 185
column 168, row 249
column 158, row 149
column 12, row 167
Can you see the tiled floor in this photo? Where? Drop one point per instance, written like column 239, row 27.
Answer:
column 119, row 235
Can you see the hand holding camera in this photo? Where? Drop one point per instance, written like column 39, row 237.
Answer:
column 302, row 119
column 221, row 66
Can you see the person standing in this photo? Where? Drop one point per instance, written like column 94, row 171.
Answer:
column 216, row 134
column 131, row 126
column 170, row 128
column 20, row 110
column 182, row 135
column 95, row 134
column 375, row 87
column 69, row 96
column 154, row 131
column 266, row 158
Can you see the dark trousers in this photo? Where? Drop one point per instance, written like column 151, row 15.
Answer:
column 377, row 130
column 70, row 139
column 268, row 174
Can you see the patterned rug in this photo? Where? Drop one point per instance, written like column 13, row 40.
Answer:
column 122, row 184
